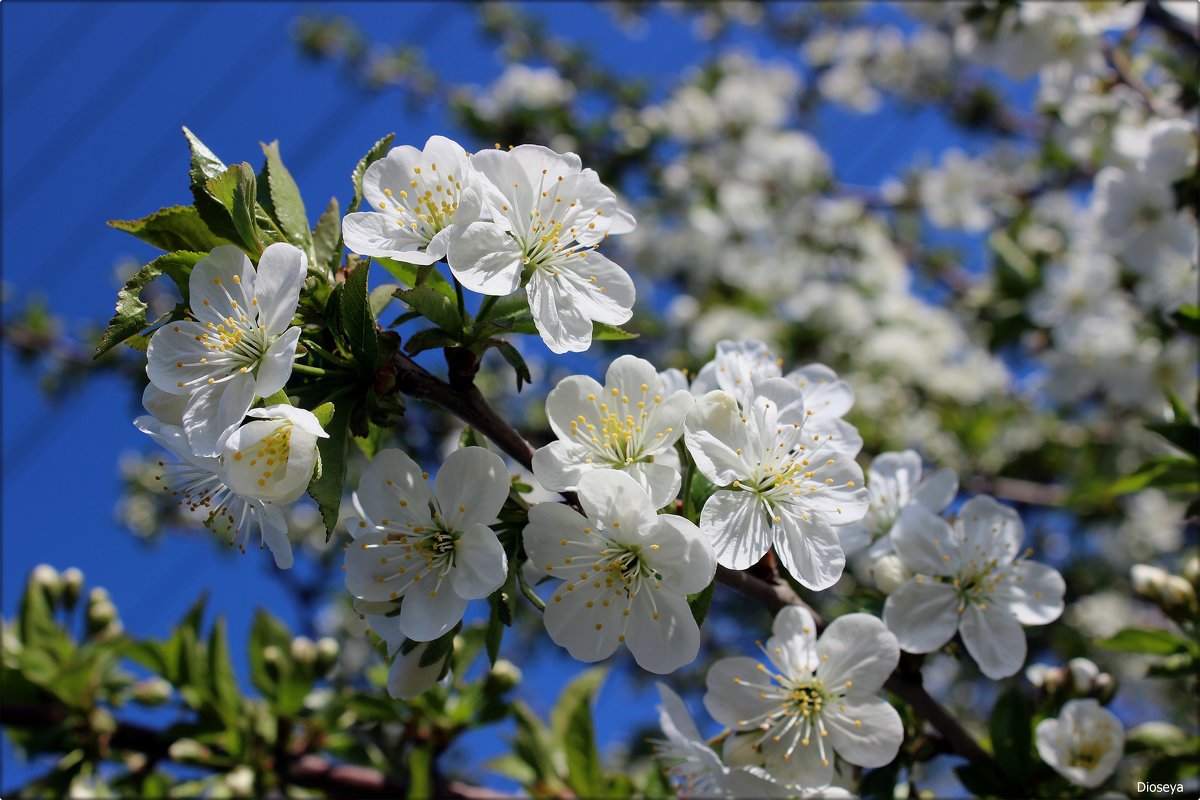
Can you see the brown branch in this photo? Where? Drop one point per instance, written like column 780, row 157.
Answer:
column 308, row 771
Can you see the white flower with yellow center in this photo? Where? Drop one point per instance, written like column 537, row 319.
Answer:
column 239, row 345
column 272, row 457
column 737, row 366
column 626, row 573
column 548, row 216
column 1083, row 744
column 629, row 424
column 694, row 767
column 967, row 578
column 433, row 551
column 200, row 484
column 413, row 197
column 821, row 699
column 893, row 481
column 782, row 486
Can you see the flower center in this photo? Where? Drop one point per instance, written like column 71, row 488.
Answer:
column 272, row 451
column 617, row 440
column 806, row 698
column 428, row 205
column 624, row 564
column 1087, row 754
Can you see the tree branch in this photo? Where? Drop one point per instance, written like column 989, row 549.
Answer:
column 308, row 771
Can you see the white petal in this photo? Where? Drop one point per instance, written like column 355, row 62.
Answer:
column 558, row 466
column 659, row 481
column 408, row 679
column 925, row 542
column 600, row 289
column 824, row 393
column 922, row 616
column 736, row 523
column 994, row 639
column 281, row 270
column 485, row 259
column 471, row 486
column 610, row 497
column 276, row 365
column 392, row 487
column 174, row 357
column 380, row 234
column 874, row 742
column 809, row 550
column 681, row 554
column 273, row 524
column 803, row 767
column 732, row 699
column 937, row 490
column 429, row 612
column 1032, row 592
column 577, row 620
column 673, row 715
column 242, row 467
column 793, row 643
column 165, row 406
column 211, row 285
column 991, row 531
column 628, row 374
column 857, row 648
column 564, row 328
column 213, row 411
column 575, row 396
column 661, row 632
column 715, row 435
column 481, row 564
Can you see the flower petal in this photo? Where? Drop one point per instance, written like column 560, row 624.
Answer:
column 408, row 679
column 661, row 632
column 427, row 613
column 378, row 234
column 559, row 465
column 562, row 326
column 276, row 365
column 736, row 523
column 681, row 554
column 480, row 565
column 857, row 652
column 923, row 616
column 273, row 525
column 1032, row 592
column 214, row 410
column 212, row 285
column 717, row 438
column 659, row 481
column 485, row 259
column 392, row 487
column 281, row 270
column 577, row 620
column 809, row 550
column 732, row 698
column 616, row 500
column 991, row 531
column 924, row 541
column 874, row 740
column 937, row 490
column 994, row 639
column 471, row 487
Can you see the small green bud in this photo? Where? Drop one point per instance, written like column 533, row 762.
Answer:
column 188, row 750
column 304, row 651
column 152, row 692
column 72, row 586
column 1104, row 688
column 504, row 677
column 328, row 650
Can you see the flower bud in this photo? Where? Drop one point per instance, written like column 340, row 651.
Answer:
column 240, row 781
column 100, row 617
column 1104, row 688
column 1191, row 571
column 303, row 650
column 889, row 572
column 1179, row 598
column 188, row 750
column 1081, row 674
column 328, row 650
column 72, row 586
column 272, row 660
column 1148, row 581
column 504, row 677
column 152, row 692
column 101, row 721
column 46, row 577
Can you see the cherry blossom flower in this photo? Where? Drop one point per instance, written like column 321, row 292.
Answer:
column 820, row 699
column 240, row 344
column 433, row 549
column 630, row 424
column 893, row 481
column 1083, row 743
column 272, row 457
column 201, row 483
column 413, row 196
column 782, row 486
column 626, row 573
column 695, row 767
column 548, row 216
column 966, row 580
column 407, row 677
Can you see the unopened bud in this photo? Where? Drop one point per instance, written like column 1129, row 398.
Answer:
column 46, row 577
column 1081, row 672
column 185, row 750
column 1179, row 598
column 1104, row 688
column 1191, row 571
column 152, row 692
column 240, row 780
column 272, row 659
column 1148, row 581
column 504, row 677
column 303, row 650
column 889, row 572
column 1054, row 680
column 100, row 616
column 328, row 650
column 72, row 586
column 101, row 721
column 1036, row 674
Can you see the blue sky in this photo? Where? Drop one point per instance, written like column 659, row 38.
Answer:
column 93, row 99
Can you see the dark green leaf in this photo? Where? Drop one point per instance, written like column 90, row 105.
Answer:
column 428, row 339
column 362, row 335
column 234, row 191
column 371, row 443
column 220, row 672
column 327, row 237
column 515, row 360
column 603, row 332
column 1184, row 436
column 172, row 228
column 571, row 726
column 1188, row 318
column 439, row 649
column 130, row 317
column 205, row 163
column 1153, row 641
column 435, row 307
column 327, row 488
column 1165, row 472
column 377, row 151
column 284, row 203
column 1012, row 734
column 532, row 743
column 700, row 601
column 880, row 784
column 268, row 632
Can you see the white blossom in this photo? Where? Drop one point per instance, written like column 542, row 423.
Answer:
column 272, row 457
column 1083, row 743
column 413, row 196
column 548, row 216
column 631, row 423
column 626, row 573
column 893, row 481
column 966, row 580
column 240, row 344
column 820, row 699
column 781, row 486
column 433, row 549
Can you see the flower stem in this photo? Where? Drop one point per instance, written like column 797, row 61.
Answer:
column 527, row 590
column 688, row 511
column 462, row 306
column 486, row 308
column 305, row 369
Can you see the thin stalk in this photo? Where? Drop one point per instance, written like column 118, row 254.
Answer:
column 527, row 590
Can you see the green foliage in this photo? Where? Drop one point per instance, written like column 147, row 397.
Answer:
column 130, row 317
column 700, row 602
column 357, row 321
column 571, row 726
column 1012, row 735
column 326, row 488
column 1151, row 641
column 172, row 228
column 327, row 238
column 282, row 203
column 377, row 151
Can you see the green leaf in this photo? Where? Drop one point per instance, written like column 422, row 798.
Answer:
column 283, row 201
column 515, row 360
column 435, row 307
column 532, row 744
column 268, row 632
column 362, row 335
column 420, row 772
column 371, row 443
column 172, row 228
column 1153, row 641
column 234, row 191
column 205, row 163
column 428, row 339
column 324, row 414
column 413, row 276
column 514, row 768
column 130, row 317
column 377, row 151
column 1188, row 318
column 1012, row 735
column 326, row 488
column 700, row 601
column 1182, row 435
column 1164, row 472
column 571, row 725
column 381, row 298
column 224, row 686
column 36, row 623
column 603, row 332
column 503, row 610
column 327, row 237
